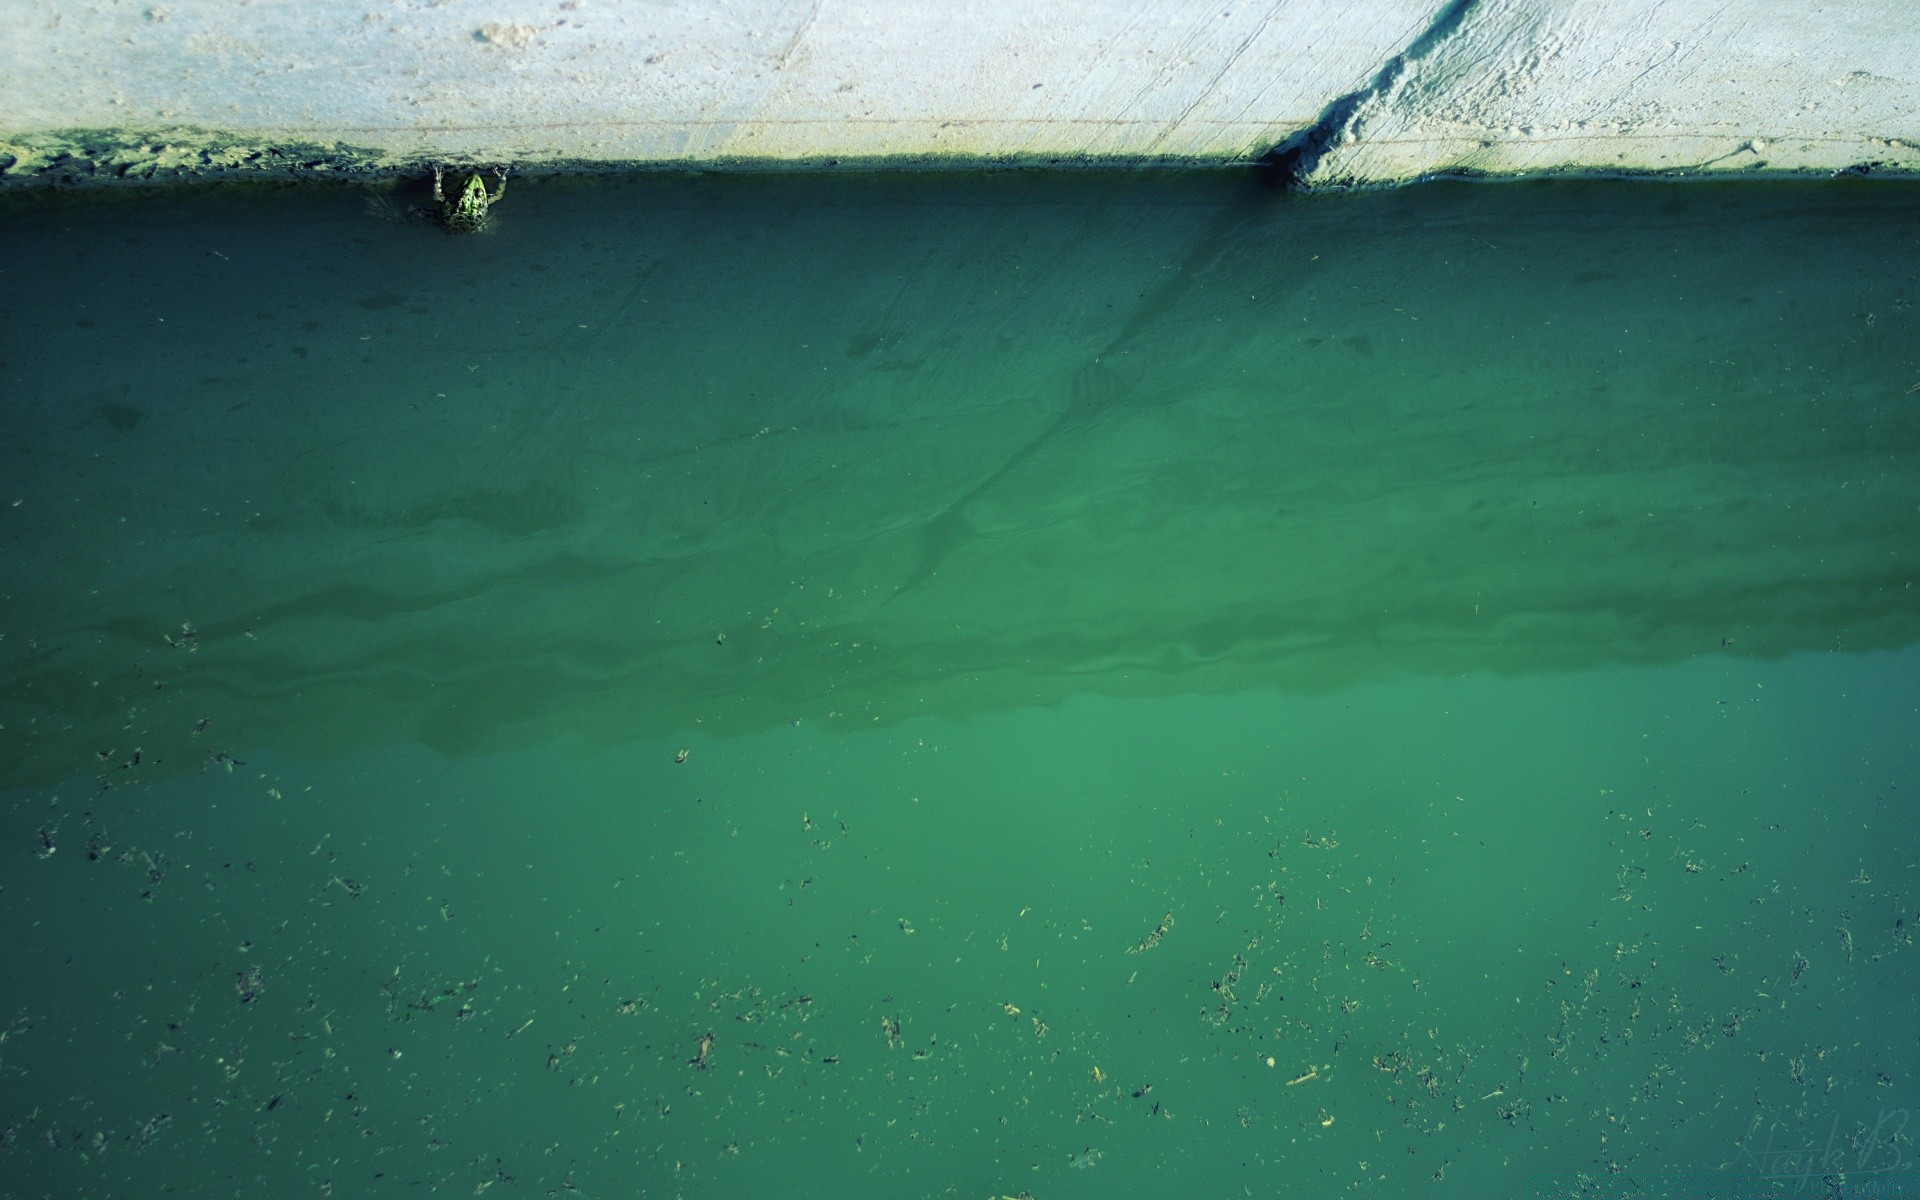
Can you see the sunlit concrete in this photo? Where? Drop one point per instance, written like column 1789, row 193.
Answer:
column 1386, row 90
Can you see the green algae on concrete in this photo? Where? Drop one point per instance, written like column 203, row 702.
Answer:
column 174, row 155
column 185, row 155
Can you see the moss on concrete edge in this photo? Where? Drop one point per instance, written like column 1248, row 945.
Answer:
column 95, row 157
column 105, row 158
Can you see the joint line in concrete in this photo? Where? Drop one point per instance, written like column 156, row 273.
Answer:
column 1294, row 160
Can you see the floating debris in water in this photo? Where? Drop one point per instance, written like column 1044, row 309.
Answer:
column 1153, row 939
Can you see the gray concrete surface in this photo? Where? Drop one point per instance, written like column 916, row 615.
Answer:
column 1349, row 91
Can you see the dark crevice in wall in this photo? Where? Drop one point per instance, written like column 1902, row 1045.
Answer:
column 1292, row 161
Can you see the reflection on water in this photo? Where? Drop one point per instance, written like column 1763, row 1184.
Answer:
column 937, row 446
column 1020, row 685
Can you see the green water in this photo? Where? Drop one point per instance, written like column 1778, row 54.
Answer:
column 1183, row 691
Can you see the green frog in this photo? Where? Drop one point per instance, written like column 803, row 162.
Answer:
column 467, row 212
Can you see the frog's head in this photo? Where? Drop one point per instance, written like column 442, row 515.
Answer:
column 473, row 197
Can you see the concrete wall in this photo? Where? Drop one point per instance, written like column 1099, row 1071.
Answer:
column 1351, row 90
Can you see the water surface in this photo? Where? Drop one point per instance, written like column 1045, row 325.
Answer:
column 997, row 685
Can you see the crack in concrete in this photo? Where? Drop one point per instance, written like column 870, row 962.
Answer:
column 1291, row 162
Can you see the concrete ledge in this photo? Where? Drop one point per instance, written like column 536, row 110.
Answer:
column 1350, row 91
column 1526, row 86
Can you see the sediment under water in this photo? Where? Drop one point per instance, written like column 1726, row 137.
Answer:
column 1003, row 685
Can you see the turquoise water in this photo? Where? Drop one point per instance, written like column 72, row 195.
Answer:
column 1015, row 685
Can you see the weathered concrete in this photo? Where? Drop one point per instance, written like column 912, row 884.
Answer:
column 1349, row 90
column 1541, row 85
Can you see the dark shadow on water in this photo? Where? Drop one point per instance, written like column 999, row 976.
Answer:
column 745, row 451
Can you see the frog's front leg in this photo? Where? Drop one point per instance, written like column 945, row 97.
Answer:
column 439, row 197
column 501, row 172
